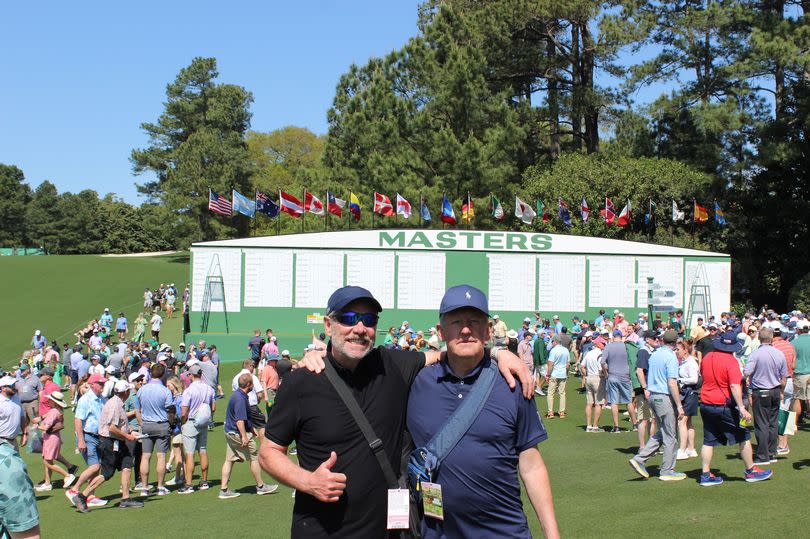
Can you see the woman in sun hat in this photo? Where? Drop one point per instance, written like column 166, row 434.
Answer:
column 51, row 424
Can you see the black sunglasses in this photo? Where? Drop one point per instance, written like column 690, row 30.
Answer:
column 351, row 319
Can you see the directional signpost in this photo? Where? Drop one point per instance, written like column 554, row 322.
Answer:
column 655, row 295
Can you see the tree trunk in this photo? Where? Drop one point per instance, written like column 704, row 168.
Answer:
column 576, row 89
column 553, row 93
column 590, row 107
column 776, row 15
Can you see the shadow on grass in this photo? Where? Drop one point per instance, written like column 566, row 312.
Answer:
column 627, row 450
column 799, row 464
column 180, row 258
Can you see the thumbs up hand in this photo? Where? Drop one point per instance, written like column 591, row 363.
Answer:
column 325, row 485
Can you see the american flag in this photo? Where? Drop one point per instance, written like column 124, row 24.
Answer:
column 218, row 204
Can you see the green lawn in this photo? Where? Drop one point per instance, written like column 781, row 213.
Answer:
column 596, row 493
column 59, row 294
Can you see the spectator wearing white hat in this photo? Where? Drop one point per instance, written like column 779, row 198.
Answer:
column 38, row 341
column 116, row 448
column 523, row 329
column 435, row 343
column 51, row 425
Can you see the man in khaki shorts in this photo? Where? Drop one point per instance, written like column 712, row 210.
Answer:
column 240, row 437
column 591, row 370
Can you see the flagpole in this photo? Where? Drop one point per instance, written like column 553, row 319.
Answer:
column 326, row 224
column 373, row 202
column 303, row 213
column 278, row 217
column 421, row 203
column 694, row 208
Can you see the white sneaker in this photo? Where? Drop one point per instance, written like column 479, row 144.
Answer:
column 682, row 455
column 692, row 453
column 69, row 480
column 171, row 482
column 42, row 487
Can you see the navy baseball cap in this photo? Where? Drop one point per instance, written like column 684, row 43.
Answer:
column 343, row 296
column 463, row 295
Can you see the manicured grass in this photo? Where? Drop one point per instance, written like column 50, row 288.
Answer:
column 596, row 493
column 59, row 294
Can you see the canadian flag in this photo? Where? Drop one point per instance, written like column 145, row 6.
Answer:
column 312, row 204
column 382, row 205
column 290, row 204
column 403, row 207
column 626, row 215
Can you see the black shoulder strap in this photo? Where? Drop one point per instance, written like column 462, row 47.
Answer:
column 374, row 443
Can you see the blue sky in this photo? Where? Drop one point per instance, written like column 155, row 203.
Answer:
column 80, row 77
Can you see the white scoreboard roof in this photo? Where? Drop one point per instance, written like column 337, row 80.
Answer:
column 458, row 240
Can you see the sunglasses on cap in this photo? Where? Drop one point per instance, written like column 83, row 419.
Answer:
column 351, row 318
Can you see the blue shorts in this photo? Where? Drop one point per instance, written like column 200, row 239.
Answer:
column 721, row 425
column 74, row 376
column 618, row 392
column 91, row 454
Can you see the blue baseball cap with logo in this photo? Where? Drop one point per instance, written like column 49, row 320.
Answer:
column 343, row 296
column 461, row 296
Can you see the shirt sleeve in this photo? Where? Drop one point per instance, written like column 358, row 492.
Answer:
column 733, row 372
column 408, row 363
column 530, row 428
column 283, row 424
column 82, row 410
column 672, row 368
column 18, row 504
column 49, row 419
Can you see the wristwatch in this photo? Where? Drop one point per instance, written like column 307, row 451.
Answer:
column 493, row 352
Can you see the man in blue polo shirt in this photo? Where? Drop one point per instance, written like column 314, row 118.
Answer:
column 500, row 444
column 155, row 402
column 664, row 397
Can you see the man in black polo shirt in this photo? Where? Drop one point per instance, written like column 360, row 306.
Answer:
column 340, row 487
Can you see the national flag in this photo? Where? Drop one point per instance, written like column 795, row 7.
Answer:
column 290, row 204
column 448, row 216
column 649, row 217
column 424, row 210
column 354, row 206
column 677, row 215
column 467, row 211
column 243, row 204
column 334, row 205
column 265, row 205
column 719, row 215
column 565, row 215
column 312, row 204
column 626, row 215
column 403, row 207
column 584, row 210
column 701, row 214
column 609, row 213
column 218, row 204
column 524, row 212
column 497, row 209
column 541, row 211
column 382, row 204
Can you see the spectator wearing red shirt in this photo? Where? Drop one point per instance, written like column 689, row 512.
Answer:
column 786, row 348
column 721, row 405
